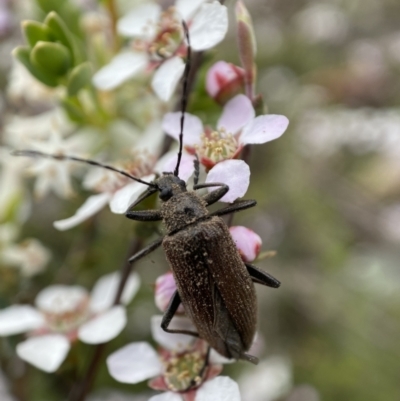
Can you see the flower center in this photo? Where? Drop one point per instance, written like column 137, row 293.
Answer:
column 217, row 145
column 168, row 37
column 64, row 307
column 183, row 371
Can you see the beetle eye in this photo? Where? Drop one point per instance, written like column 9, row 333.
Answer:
column 165, row 194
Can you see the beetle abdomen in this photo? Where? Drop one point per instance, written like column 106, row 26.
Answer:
column 214, row 285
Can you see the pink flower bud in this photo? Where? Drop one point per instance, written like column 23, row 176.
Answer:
column 247, row 242
column 224, row 80
column 165, row 288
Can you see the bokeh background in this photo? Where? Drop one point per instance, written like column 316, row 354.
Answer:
column 328, row 197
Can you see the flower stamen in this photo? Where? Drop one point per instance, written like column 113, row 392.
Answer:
column 217, row 145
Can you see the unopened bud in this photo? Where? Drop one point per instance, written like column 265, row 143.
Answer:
column 246, row 41
column 247, row 242
column 224, row 81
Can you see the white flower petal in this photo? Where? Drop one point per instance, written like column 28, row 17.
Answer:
column 273, row 377
column 209, row 26
column 134, row 363
column 92, row 205
column 140, row 22
column 59, row 298
column 121, row 68
column 172, row 341
column 192, row 127
column 125, row 196
column 218, row 359
column 221, row 388
column 186, row 166
column 168, row 396
column 106, row 287
column 18, row 319
column 103, row 327
column 264, row 129
column 187, row 8
column 236, row 114
column 44, row 352
column 234, row 173
column 30, row 256
column 167, row 77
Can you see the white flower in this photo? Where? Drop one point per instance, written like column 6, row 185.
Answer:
column 159, row 42
column 237, row 127
column 175, row 367
column 19, row 132
column 14, row 201
column 268, row 381
column 30, row 256
column 23, row 87
column 64, row 314
column 120, row 192
column 53, row 174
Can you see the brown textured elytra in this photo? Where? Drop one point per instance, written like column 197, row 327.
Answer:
column 212, row 280
column 207, row 268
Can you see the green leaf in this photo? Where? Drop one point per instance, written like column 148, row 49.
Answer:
column 74, row 111
column 69, row 12
column 53, row 58
column 49, row 5
column 63, row 34
column 78, row 78
column 22, row 54
column 35, row 31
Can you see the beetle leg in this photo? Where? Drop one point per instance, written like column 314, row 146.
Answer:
column 213, row 196
column 261, row 277
column 146, row 250
column 144, row 215
column 235, row 207
column 169, row 314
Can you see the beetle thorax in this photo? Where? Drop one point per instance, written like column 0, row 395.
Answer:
column 182, row 209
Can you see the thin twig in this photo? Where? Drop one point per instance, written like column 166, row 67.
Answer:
column 112, row 10
column 80, row 390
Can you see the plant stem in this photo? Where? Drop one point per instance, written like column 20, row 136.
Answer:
column 112, row 11
column 80, row 390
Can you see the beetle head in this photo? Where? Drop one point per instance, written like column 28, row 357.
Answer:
column 169, row 185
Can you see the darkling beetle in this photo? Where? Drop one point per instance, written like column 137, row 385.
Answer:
column 213, row 283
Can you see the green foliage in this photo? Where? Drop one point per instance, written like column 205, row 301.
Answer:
column 67, row 10
column 35, row 31
column 78, row 78
column 22, row 54
column 63, row 34
column 51, row 58
column 53, row 53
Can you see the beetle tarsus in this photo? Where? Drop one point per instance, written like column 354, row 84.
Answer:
column 235, row 207
column 261, row 277
column 249, row 358
column 213, row 196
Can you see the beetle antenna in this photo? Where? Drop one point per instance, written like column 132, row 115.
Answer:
column 34, row 153
column 184, row 96
column 196, row 169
